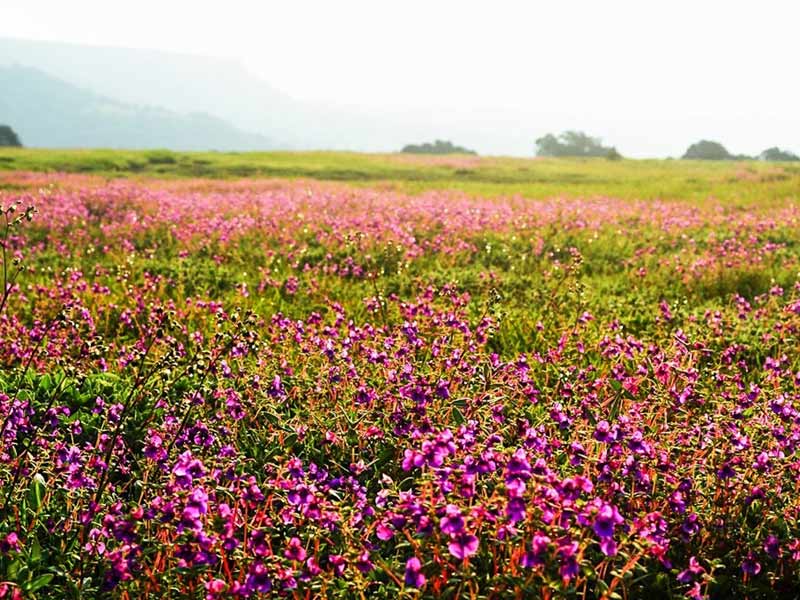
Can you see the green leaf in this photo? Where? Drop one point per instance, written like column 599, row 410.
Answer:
column 36, row 551
column 39, row 583
column 14, row 569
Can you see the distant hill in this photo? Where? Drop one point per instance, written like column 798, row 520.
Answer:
column 223, row 87
column 48, row 112
column 182, row 83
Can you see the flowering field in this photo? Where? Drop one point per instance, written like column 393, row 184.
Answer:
column 268, row 388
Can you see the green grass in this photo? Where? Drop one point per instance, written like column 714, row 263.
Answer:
column 733, row 182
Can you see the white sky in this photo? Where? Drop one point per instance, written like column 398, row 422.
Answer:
column 634, row 67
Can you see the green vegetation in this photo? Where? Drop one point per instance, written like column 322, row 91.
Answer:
column 775, row 154
column 738, row 183
column 437, row 147
column 574, row 143
column 708, row 150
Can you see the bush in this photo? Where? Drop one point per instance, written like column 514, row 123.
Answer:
column 438, row 147
column 161, row 157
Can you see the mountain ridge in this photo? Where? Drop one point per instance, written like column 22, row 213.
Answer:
column 49, row 112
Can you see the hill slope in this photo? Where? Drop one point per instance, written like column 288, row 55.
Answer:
column 47, row 111
column 179, row 82
column 224, row 88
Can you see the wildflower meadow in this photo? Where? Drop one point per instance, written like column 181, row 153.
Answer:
column 287, row 388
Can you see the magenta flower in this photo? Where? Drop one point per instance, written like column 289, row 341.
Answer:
column 463, row 545
column 9, row 543
column 215, row 587
column 294, row 550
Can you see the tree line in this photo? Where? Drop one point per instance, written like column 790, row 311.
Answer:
column 710, row 150
column 579, row 144
column 568, row 143
column 8, row 137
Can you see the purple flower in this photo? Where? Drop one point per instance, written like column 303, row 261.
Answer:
column 608, row 546
column 762, row 462
column 677, row 502
column 312, row 567
column 637, row 444
column 452, row 523
column 414, row 576
column 259, row 544
column 463, row 545
column 518, row 465
column 693, row 571
column 412, row 459
column 258, row 580
column 294, row 550
column 338, row 563
column 363, row 563
column 567, row 551
column 187, row 469
column 750, row 566
column 602, row 433
column 535, row 556
column 515, row 510
column 772, row 547
column 607, row 518
column 690, row 525
column 726, row 471
column 196, row 507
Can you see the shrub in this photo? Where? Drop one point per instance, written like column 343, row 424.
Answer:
column 438, row 147
column 161, row 157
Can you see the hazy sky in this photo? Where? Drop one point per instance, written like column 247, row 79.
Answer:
column 630, row 71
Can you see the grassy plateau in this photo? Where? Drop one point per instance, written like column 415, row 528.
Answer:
column 730, row 181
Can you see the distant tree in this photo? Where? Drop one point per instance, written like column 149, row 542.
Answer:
column 613, row 154
column 707, row 150
column 574, row 143
column 8, row 137
column 778, row 155
column 438, row 147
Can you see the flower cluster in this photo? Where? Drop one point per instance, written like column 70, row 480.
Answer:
column 259, row 389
